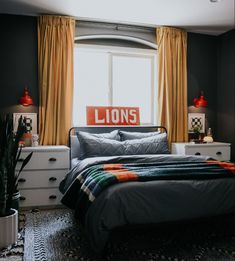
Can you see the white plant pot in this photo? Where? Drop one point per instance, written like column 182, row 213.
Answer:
column 9, row 229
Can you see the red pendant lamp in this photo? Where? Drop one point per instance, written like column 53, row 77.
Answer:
column 200, row 102
column 26, row 99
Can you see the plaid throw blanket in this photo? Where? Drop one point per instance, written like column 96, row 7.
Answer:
column 96, row 178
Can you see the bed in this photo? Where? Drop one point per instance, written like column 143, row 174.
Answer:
column 120, row 182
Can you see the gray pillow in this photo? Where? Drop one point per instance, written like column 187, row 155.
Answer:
column 92, row 146
column 113, row 135
column 85, row 137
column 127, row 135
column 156, row 144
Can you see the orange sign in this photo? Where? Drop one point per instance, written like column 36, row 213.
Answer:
column 107, row 115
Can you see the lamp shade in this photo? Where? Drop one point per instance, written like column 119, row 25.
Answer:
column 200, row 102
column 26, row 99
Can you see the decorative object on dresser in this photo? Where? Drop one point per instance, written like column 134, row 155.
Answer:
column 29, row 118
column 30, row 122
column 208, row 138
column 35, row 140
column 216, row 150
column 9, row 154
column 196, row 120
column 40, row 180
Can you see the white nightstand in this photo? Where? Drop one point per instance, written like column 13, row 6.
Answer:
column 217, row 150
column 40, row 179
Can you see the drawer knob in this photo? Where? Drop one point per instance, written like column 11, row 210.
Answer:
column 52, row 197
column 197, row 153
column 20, row 160
column 52, row 179
column 21, row 180
column 52, row 159
column 22, row 198
column 218, row 153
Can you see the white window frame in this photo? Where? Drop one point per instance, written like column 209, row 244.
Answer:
column 129, row 52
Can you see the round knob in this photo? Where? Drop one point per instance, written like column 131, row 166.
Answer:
column 21, row 180
column 22, row 198
column 197, row 153
column 52, row 179
column 52, row 197
column 218, row 153
column 52, row 159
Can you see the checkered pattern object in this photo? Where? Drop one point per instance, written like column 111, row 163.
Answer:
column 196, row 122
column 28, row 123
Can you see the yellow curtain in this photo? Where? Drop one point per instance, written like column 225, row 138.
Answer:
column 55, row 62
column 172, row 82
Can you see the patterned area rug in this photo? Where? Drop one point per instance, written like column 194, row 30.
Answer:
column 54, row 235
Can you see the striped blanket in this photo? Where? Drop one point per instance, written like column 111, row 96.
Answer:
column 96, row 178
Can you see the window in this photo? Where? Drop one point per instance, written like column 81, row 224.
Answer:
column 114, row 76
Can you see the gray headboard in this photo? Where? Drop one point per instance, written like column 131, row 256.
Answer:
column 74, row 143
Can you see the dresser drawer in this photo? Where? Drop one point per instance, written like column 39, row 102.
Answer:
column 217, row 152
column 40, row 197
column 40, row 179
column 46, row 160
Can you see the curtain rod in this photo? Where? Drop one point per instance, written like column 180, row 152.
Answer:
column 116, row 26
column 116, row 37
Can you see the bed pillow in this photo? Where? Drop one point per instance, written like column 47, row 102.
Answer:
column 85, row 137
column 92, row 146
column 127, row 135
column 156, row 144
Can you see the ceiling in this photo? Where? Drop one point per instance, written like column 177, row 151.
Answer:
column 201, row 16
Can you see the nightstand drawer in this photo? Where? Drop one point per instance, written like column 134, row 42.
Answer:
column 40, row 197
column 46, row 160
column 217, row 150
column 219, row 153
column 40, row 179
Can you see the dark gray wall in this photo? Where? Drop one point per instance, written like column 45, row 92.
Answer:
column 202, row 75
column 211, row 62
column 18, row 62
column 226, row 89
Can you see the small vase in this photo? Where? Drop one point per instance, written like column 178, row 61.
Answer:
column 27, row 137
column 196, row 136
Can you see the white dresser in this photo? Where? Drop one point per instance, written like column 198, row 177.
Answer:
column 40, row 179
column 217, row 150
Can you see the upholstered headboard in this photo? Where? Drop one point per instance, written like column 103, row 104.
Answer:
column 74, row 143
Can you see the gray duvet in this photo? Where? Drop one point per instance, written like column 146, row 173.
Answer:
column 151, row 202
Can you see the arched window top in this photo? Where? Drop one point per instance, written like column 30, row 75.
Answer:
column 117, row 37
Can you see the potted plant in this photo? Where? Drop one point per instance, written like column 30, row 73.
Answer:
column 9, row 155
column 196, row 133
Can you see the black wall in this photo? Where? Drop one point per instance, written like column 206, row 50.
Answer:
column 18, row 65
column 211, row 68
column 18, row 62
column 202, row 75
column 226, row 89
